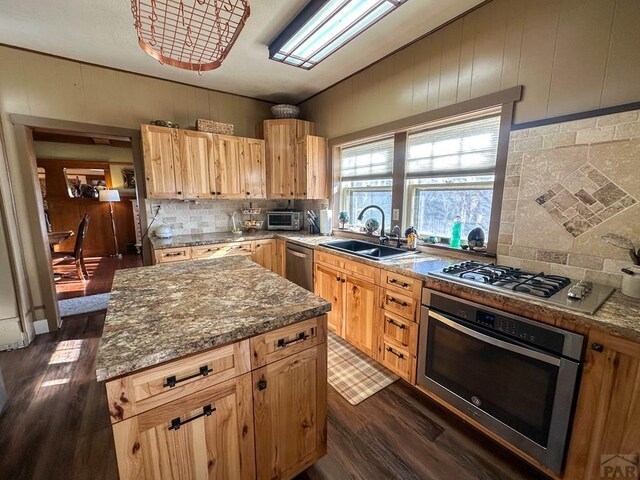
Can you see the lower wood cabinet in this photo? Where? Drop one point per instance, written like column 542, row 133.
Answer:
column 269, row 423
column 290, row 413
column 607, row 418
column 265, row 254
column 361, row 314
column 328, row 285
column 354, row 307
column 208, row 434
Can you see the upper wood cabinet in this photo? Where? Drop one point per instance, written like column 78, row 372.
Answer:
column 296, row 160
column 162, row 167
column 230, row 167
column 196, row 157
column 189, row 164
column 255, row 167
column 312, row 168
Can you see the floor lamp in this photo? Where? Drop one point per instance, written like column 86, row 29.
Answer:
column 111, row 196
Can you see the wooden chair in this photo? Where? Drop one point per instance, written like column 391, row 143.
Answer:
column 77, row 255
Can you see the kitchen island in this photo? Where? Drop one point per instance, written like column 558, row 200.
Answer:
column 214, row 369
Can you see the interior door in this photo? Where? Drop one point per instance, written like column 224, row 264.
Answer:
column 196, row 154
column 163, row 173
column 329, row 284
column 230, row 167
column 361, row 313
column 255, row 168
column 289, row 396
column 206, row 435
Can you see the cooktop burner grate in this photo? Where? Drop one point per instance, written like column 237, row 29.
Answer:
column 509, row 278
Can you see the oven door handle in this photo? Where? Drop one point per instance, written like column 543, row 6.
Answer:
column 496, row 342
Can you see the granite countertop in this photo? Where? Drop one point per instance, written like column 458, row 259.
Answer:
column 619, row 315
column 167, row 311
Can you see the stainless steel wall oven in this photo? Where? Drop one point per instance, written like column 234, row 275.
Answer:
column 515, row 376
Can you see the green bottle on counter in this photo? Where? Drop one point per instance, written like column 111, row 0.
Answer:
column 455, row 233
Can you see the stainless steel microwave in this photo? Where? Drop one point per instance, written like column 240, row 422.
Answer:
column 284, row 220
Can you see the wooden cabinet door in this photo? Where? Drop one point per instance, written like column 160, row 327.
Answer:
column 196, row 156
column 312, row 169
column 281, row 256
column 329, row 284
column 280, row 145
column 207, row 434
column 162, row 169
column 265, row 254
column 290, row 413
column 607, row 418
column 361, row 315
column 229, row 167
column 255, row 168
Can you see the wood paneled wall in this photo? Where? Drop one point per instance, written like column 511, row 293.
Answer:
column 570, row 55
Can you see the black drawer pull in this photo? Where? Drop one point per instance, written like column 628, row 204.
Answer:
column 337, row 279
column 401, row 303
column 172, row 381
column 174, row 254
column 402, row 284
column 399, row 355
column 301, row 337
column 397, row 324
column 597, row 347
column 176, row 423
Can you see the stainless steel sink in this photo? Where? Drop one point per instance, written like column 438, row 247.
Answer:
column 367, row 250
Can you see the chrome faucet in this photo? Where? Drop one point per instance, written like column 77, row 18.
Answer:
column 383, row 238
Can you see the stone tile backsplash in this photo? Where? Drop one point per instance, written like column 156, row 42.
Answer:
column 208, row 216
column 567, row 185
column 205, row 216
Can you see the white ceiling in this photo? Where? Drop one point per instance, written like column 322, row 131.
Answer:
column 102, row 32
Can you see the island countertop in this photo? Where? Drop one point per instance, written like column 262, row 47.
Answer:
column 164, row 312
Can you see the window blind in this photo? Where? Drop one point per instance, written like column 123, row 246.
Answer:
column 367, row 161
column 467, row 148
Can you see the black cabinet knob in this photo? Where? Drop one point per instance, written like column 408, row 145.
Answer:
column 598, row 347
column 262, row 384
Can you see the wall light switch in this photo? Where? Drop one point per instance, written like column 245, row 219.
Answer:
column 396, row 214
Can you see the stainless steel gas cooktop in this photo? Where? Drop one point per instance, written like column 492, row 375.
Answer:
column 581, row 296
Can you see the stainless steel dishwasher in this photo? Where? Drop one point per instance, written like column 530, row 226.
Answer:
column 299, row 265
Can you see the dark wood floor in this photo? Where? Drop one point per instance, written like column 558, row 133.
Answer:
column 101, row 270
column 55, row 425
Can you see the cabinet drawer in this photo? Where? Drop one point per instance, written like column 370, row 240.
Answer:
column 177, row 254
column 222, row 250
column 396, row 359
column 400, row 330
column 401, row 283
column 272, row 346
column 399, row 304
column 363, row 271
column 147, row 389
column 328, row 259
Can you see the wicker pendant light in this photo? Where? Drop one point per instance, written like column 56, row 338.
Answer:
column 190, row 34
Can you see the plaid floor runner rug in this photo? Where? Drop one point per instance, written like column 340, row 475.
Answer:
column 352, row 373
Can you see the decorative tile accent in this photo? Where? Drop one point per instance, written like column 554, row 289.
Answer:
column 584, row 199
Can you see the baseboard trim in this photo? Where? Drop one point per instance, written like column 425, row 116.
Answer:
column 41, row 326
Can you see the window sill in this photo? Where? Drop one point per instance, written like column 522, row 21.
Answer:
column 446, row 247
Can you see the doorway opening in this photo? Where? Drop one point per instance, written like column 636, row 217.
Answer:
column 88, row 189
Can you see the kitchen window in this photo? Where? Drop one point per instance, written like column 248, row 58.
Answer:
column 450, row 174
column 366, row 178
